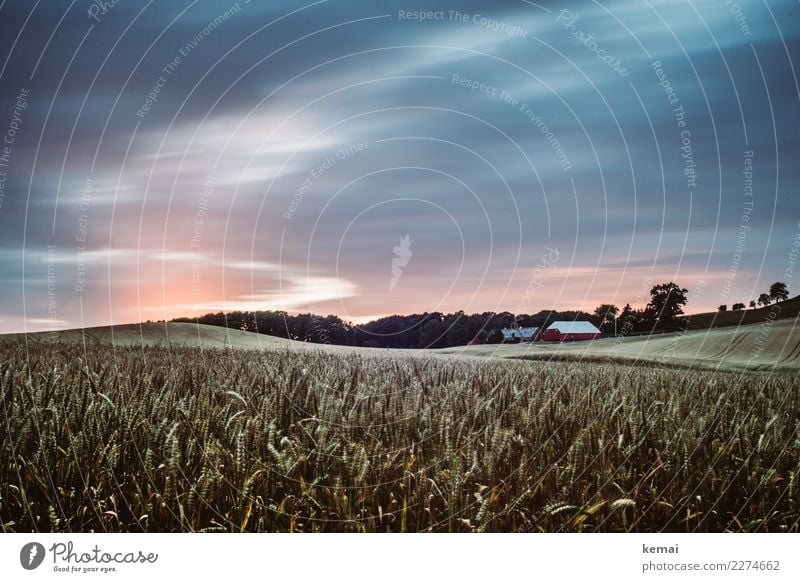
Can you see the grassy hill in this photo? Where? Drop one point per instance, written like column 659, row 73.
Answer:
column 180, row 335
column 155, row 334
column 766, row 346
column 783, row 310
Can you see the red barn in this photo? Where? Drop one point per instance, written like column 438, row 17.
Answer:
column 568, row 331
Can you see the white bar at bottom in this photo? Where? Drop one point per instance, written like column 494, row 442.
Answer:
column 443, row 557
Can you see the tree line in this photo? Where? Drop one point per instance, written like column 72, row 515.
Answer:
column 440, row 330
column 419, row 330
column 778, row 291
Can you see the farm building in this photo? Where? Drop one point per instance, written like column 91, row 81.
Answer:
column 568, row 331
column 520, row 334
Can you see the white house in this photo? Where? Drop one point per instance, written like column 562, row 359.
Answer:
column 519, row 334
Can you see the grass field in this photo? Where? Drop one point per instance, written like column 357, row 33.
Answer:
column 148, row 436
column 767, row 347
column 770, row 346
column 789, row 309
column 157, row 334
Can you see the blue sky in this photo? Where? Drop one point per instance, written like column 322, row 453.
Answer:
column 174, row 158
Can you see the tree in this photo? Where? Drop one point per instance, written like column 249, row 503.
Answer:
column 627, row 320
column 723, row 307
column 753, row 303
column 606, row 313
column 495, row 337
column 666, row 302
column 459, row 332
column 764, row 299
column 504, row 319
column 646, row 319
column 778, row 291
column 432, row 334
column 738, row 306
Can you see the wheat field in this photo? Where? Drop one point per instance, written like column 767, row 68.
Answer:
column 170, row 439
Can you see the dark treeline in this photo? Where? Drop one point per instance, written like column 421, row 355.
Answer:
column 424, row 330
column 439, row 330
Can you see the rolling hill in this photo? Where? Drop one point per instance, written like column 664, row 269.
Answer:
column 172, row 334
column 765, row 347
column 772, row 346
column 789, row 309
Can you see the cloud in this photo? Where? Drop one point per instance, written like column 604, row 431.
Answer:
column 357, row 129
column 293, row 295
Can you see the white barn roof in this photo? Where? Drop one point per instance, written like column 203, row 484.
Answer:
column 574, row 327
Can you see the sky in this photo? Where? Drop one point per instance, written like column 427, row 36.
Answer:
column 363, row 159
